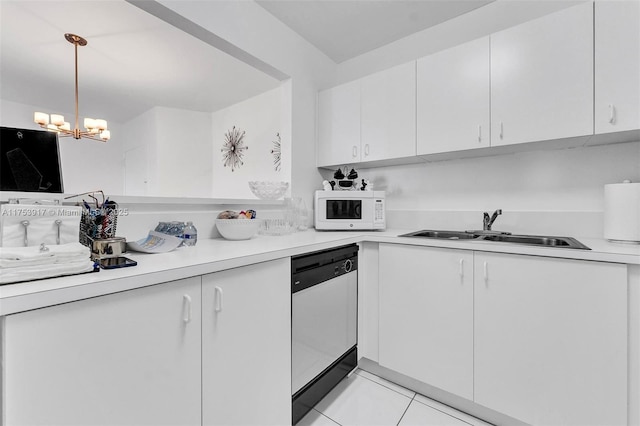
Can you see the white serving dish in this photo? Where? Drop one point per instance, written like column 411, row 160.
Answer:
column 238, row 229
column 268, row 190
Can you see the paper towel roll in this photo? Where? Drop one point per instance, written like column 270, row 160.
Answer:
column 622, row 212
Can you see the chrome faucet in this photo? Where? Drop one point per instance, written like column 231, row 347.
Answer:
column 488, row 221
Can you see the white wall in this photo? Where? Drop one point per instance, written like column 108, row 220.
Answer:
column 553, row 191
column 251, row 28
column 87, row 165
column 261, row 118
column 168, row 152
column 184, row 144
column 139, row 159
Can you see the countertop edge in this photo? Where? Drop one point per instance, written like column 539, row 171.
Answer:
column 217, row 255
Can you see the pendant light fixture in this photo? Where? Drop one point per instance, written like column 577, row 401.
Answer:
column 95, row 129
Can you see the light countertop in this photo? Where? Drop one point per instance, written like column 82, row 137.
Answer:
column 212, row 255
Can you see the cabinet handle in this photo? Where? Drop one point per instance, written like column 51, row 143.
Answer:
column 186, row 301
column 612, row 113
column 218, row 299
column 479, row 134
column 461, row 268
column 366, row 150
column 354, row 151
column 486, row 272
column 25, row 223
column 501, row 130
column 58, row 223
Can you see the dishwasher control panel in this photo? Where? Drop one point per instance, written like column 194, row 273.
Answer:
column 313, row 268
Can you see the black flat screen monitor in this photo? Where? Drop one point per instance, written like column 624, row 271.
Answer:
column 30, row 161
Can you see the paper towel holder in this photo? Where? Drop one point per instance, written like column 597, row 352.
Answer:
column 622, row 212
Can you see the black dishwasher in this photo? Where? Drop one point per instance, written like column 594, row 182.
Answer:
column 324, row 322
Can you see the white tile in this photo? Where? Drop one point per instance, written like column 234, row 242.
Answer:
column 419, row 414
column 315, row 418
column 386, row 383
column 358, row 401
column 450, row 411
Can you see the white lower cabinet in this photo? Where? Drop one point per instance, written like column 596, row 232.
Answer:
column 543, row 340
column 212, row 350
column 130, row 358
column 551, row 339
column 426, row 315
column 246, row 345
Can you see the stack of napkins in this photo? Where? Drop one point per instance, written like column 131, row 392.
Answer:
column 36, row 262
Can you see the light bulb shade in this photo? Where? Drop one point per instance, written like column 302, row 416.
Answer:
column 57, row 119
column 101, row 124
column 41, row 118
column 52, row 128
column 89, row 123
column 105, row 135
column 65, row 126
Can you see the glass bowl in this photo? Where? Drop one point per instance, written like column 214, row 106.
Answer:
column 238, row 229
column 268, row 190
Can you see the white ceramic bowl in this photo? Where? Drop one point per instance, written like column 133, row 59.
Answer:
column 268, row 190
column 238, row 229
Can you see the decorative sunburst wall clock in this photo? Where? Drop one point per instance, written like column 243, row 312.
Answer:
column 277, row 152
column 233, row 148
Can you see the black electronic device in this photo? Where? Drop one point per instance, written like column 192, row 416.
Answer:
column 116, row 262
column 29, row 161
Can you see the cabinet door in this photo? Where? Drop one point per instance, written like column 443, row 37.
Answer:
column 246, row 345
column 453, row 99
column 426, row 315
column 542, row 78
column 551, row 339
column 389, row 113
column 130, row 358
column 339, row 125
column 617, row 66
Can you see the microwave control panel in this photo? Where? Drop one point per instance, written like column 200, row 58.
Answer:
column 379, row 211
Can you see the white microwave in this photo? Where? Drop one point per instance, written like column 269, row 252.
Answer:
column 347, row 210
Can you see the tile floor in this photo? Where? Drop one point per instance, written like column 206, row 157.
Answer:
column 364, row 399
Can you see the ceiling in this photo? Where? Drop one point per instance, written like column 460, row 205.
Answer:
column 133, row 61
column 343, row 29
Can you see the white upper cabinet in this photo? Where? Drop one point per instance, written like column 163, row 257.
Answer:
column 542, row 78
column 453, row 99
column 339, row 125
column 617, row 66
column 388, row 113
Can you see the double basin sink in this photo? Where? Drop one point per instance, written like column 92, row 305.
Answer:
column 502, row 237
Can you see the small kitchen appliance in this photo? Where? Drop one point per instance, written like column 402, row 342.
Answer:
column 349, row 210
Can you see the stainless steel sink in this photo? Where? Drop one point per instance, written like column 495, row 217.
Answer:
column 535, row 240
column 443, row 235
